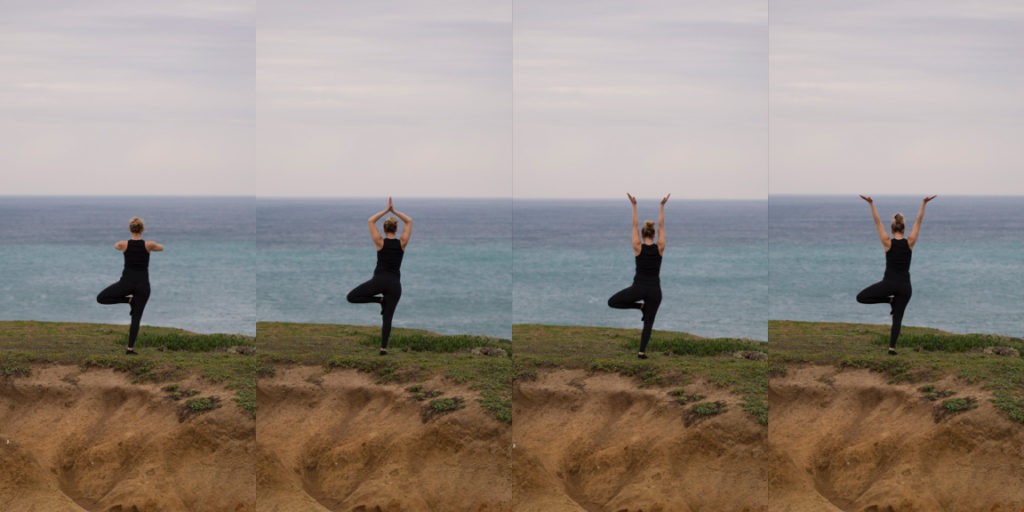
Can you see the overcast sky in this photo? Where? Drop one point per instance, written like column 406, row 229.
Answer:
column 321, row 98
column 125, row 97
column 379, row 97
column 898, row 97
column 648, row 97
column 407, row 97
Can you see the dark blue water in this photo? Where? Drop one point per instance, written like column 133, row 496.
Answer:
column 966, row 271
column 570, row 256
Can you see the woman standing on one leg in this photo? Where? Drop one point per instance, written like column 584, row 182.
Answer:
column 133, row 288
column 385, row 288
column 645, row 293
column 894, row 288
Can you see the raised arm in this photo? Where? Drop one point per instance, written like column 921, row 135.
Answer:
column 661, row 225
column 371, row 223
column 912, row 239
column 406, row 220
column 152, row 246
column 882, row 235
column 121, row 245
column 635, row 229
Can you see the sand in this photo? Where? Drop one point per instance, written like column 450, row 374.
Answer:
column 600, row 443
column 85, row 441
column 850, row 441
column 338, row 441
column 362, row 446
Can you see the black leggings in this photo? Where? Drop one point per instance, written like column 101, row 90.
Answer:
column 896, row 293
column 390, row 290
column 643, row 296
column 135, row 286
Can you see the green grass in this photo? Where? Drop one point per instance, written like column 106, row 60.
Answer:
column 186, row 341
column 925, row 356
column 414, row 356
column 675, row 359
column 417, row 342
column 686, row 345
column 165, row 354
column 941, row 342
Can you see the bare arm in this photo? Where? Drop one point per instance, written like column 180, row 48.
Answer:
column 882, row 235
column 154, row 246
column 406, row 229
column 661, row 225
column 371, row 223
column 635, row 226
column 912, row 239
column 121, row 245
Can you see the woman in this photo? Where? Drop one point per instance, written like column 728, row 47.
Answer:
column 385, row 288
column 645, row 293
column 894, row 288
column 133, row 288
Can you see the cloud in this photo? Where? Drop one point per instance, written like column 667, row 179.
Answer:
column 649, row 97
column 896, row 97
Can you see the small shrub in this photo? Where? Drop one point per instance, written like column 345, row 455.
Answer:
column 931, row 393
column 197, row 406
column 757, row 408
column 1010, row 405
column 441, row 406
column 954, row 406
column 681, row 397
column 419, row 393
column 703, row 410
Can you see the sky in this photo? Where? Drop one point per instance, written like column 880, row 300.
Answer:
column 312, row 98
column 125, row 97
column 649, row 97
column 897, row 97
column 384, row 97
column 582, row 98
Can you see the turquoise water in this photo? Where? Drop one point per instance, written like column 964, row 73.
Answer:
column 58, row 253
column 456, row 273
column 570, row 256
column 230, row 261
column 966, row 271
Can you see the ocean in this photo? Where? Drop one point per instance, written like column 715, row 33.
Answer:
column 967, row 271
column 57, row 253
column 570, row 256
column 456, row 272
column 231, row 261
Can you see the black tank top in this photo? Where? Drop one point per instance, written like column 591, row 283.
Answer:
column 389, row 258
column 897, row 260
column 136, row 257
column 648, row 263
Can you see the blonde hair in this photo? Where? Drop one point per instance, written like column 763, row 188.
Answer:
column 135, row 225
column 648, row 230
column 897, row 223
column 390, row 225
